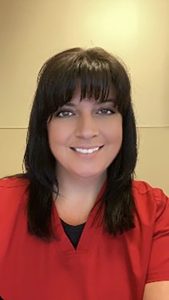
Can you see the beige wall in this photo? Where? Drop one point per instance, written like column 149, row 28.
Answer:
column 136, row 31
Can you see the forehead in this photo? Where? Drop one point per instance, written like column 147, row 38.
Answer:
column 76, row 97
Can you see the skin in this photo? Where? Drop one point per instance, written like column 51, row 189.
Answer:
column 78, row 175
column 156, row 291
column 86, row 124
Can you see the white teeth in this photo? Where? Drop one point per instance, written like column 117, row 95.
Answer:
column 85, row 151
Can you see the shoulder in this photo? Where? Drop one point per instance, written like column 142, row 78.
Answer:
column 144, row 190
column 12, row 191
column 150, row 202
column 144, row 187
column 13, row 182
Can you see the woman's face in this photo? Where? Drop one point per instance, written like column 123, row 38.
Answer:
column 85, row 137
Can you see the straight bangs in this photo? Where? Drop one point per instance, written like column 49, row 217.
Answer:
column 95, row 80
column 95, row 77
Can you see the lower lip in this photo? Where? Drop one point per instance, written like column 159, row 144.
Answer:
column 87, row 155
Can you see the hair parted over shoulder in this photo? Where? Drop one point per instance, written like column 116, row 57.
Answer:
column 96, row 70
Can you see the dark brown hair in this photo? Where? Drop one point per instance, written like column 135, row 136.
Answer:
column 96, row 70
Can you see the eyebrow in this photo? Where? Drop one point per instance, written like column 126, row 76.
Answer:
column 112, row 101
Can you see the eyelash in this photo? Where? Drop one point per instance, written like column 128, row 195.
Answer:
column 57, row 114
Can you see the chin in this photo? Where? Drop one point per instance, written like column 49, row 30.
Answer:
column 89, row 175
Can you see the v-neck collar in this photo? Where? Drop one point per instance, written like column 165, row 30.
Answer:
column 87, row 235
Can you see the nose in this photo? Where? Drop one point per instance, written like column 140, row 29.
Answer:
column 87, row 127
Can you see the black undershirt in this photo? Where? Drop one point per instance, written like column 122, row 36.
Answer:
column 73, row 232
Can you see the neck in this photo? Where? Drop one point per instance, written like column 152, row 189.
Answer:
column 77, row 188
column 77, row 197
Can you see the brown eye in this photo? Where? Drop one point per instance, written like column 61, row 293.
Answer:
column 63, row 114
column 105, row 111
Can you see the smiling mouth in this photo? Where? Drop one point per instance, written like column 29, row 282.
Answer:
column 86, row 150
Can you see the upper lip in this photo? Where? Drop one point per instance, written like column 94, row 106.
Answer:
column 87, row 147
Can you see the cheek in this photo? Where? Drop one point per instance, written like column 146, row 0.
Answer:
column 57, row 135
column 115, row 140
column 118, row 134
column 115, row 132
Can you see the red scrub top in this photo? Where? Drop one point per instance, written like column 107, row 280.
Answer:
column 101, row 267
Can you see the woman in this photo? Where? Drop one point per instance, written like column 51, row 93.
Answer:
column 77, row 225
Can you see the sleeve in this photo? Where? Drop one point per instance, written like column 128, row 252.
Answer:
column 158, row 269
